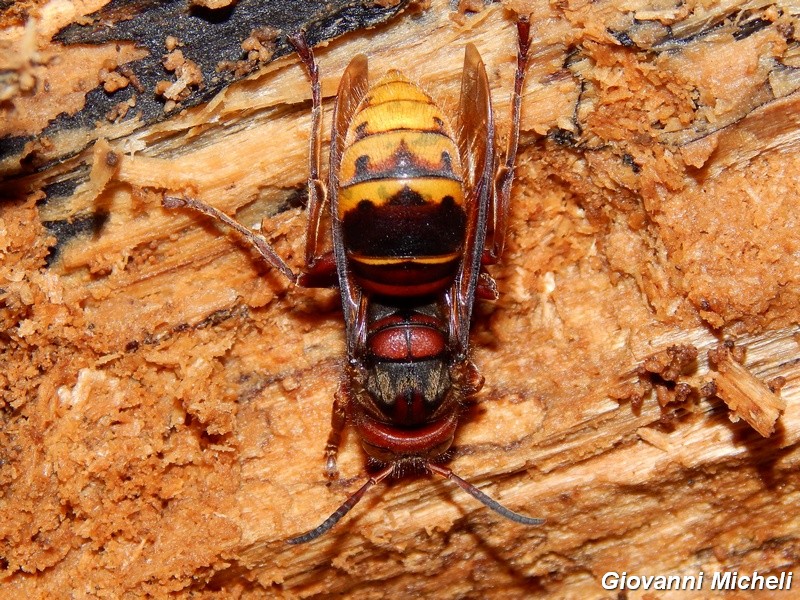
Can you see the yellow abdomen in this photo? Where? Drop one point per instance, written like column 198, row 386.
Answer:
column 400, row 192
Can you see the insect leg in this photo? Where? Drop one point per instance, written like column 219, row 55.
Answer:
column 259, row 243
column 498, row 213
column 338, row 420
column 320, row 268
column 317, row 195
column 343, row 397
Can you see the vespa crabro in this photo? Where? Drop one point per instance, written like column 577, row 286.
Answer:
column 419, row 206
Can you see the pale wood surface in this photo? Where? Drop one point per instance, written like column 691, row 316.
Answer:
column 173, row 439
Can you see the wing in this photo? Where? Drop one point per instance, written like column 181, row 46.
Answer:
column 352, row 88
column 476, row 126
column 476, row 144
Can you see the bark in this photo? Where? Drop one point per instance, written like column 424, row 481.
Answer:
column 166, row 397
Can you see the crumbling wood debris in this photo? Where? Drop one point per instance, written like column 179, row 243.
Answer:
column 747, row 396
column 138, row 63
column 165, row 398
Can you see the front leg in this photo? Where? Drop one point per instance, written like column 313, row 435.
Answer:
column 341, row 400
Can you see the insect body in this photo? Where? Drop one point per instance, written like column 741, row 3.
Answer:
column 418, row 205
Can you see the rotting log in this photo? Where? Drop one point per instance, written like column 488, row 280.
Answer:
column 166, row 398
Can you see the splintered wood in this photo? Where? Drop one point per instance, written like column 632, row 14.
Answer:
column 748, row 397
column 165, row 397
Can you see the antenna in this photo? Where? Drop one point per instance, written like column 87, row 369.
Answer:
column 326, row 525
column 483, row 498
column 340, row 512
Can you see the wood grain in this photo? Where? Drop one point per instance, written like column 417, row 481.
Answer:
column 165, row 399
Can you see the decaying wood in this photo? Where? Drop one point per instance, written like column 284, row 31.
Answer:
column 748, row 397
column 165, row 398
column 136, row 63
